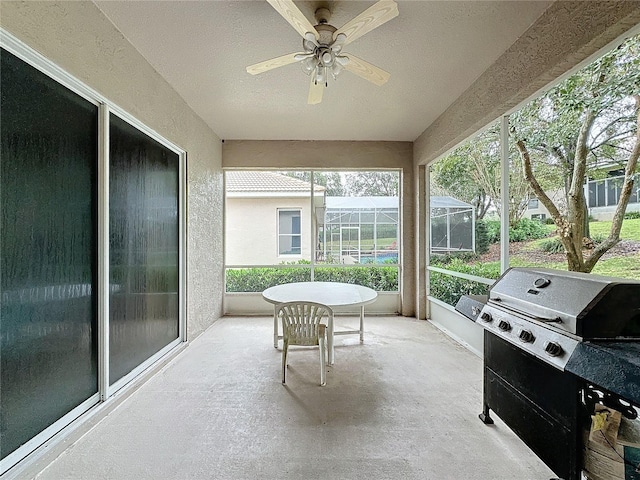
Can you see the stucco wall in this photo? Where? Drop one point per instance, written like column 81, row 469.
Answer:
column 568, row 33
column 252, row 231
column 341, row 155
column 80, row 39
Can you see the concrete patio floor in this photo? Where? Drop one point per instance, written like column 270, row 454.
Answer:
column 402, row 405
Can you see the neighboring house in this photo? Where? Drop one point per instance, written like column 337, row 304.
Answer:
column 537, row 211
column 269, row 222
column 602, row 198
column 268, row 218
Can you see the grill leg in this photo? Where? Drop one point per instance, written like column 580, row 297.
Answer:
column 484, row 416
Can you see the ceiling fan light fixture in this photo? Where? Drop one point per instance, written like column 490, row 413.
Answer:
column 336, row 70
column 343, row 61
column 327, row 59
column 309, row 64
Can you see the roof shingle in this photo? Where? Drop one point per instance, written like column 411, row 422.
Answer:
column 258, row 181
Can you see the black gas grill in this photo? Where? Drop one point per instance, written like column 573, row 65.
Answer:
column 555, row 343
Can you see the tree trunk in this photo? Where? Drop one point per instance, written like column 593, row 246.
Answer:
column 625, row 195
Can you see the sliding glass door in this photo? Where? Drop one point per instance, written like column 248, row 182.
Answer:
column 90, row 249
column 143, row 248
column 48, row 259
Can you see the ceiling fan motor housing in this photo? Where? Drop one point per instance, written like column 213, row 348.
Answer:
column 326, row 33
column 322, row 15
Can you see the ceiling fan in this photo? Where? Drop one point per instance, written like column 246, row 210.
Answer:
column 323, row 56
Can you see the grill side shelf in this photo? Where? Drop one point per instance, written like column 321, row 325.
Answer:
column 613, row 366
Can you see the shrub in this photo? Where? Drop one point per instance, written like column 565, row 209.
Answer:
column 552, row 245
column 549, row 221
column 493, row 230
column 482, row 237
column 380, row 278
column 439, row 259
column 631, row 215
column 527, row 229
column 449, row 289
column 598, row 238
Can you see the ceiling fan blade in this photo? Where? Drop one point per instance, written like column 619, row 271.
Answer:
column 273, row 63
column 366, row 70
column 294, row 16
column 371, row 18
column 315, row 92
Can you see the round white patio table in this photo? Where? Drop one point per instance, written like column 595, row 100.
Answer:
column 332, row 294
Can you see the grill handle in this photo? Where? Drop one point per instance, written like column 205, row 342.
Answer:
column 548, row 320
column 540, row 319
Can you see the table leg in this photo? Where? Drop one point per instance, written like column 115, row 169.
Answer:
column 362, row 324
column 275, row 328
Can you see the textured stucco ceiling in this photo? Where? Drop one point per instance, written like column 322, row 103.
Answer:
column 434, row 51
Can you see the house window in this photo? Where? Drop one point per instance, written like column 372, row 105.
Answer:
column 289, row 235
column 533, row 203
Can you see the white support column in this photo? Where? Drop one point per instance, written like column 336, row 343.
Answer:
column 312, row 228
column 103, row 252
column 448, row 230
column 427, row 235
column 504, row 193
column 473, row 229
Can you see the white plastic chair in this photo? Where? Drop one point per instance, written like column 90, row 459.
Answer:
column 301, row 326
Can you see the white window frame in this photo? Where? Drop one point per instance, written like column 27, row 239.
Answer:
column 288, row 235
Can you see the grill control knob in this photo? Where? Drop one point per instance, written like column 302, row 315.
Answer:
column 504, row 325
column 553, row 349
column 526, row 336
column 486, row 316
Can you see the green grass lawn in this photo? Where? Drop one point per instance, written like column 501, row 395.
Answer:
column 627, row 266
column 630, row 229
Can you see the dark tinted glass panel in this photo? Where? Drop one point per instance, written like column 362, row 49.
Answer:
column 143, row 242
column 600, row 189
column 634, row 192
column 48, row 253
column 592, row 194
column 614, row 187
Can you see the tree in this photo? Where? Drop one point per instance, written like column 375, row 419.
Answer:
column 590, row 120
column 332, row 181
column 373, row 184
column 453, row 176
column 473, row 170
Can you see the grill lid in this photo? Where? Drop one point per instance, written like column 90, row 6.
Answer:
column 584, row 304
